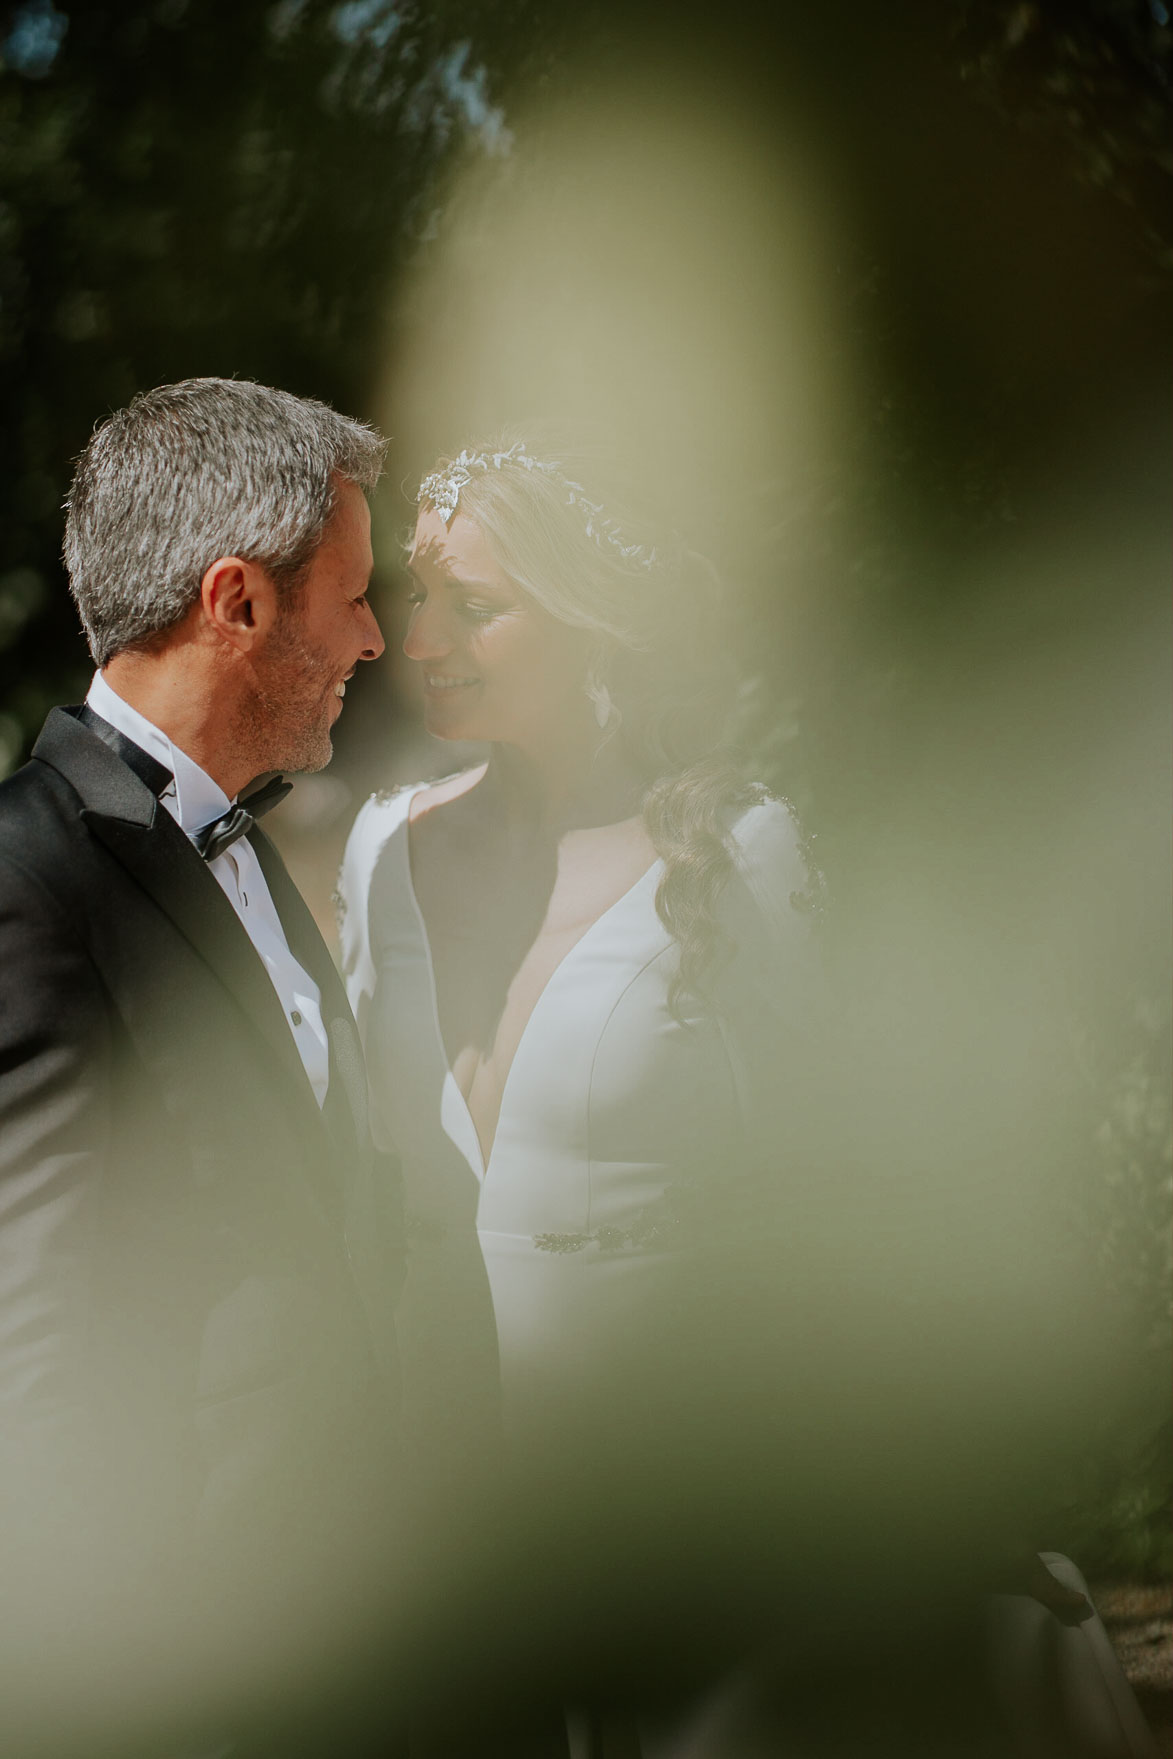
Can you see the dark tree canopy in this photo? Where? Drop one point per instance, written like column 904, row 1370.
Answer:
column 199, row 188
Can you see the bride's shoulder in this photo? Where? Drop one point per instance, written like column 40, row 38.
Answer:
column 378, row 818
column 766, row 833
column 388, row 811
column 432, row 794
column 774, row 859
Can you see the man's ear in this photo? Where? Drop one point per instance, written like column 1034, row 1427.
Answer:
column 239, row 602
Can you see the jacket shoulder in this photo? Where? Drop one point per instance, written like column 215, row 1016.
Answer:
column 40, row 814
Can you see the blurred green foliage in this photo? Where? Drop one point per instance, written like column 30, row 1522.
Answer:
column 1121, row 1496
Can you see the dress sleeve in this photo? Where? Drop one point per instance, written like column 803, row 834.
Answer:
column 369, row 833
column 771, row 992
column 772, row 904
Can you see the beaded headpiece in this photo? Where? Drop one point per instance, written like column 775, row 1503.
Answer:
column 442, row 491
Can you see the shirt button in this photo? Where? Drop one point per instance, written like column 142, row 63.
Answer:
column 295, row 1017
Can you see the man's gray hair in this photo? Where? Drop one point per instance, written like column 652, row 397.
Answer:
column 194, row 471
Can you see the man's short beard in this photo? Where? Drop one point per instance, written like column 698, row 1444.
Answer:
column 286, row 725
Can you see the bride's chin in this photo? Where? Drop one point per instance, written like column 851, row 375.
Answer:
column 444, row 724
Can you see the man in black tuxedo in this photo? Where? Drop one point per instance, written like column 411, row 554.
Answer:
column 192, row 1404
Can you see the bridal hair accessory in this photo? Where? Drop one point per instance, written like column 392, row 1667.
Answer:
column 442, row 490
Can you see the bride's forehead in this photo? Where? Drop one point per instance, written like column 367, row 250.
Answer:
column 458, row 547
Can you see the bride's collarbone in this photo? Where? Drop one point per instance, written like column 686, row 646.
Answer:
column 507, row 908
column 498, row 927
column 511, row 930
column 467, row 886
column 449, row 849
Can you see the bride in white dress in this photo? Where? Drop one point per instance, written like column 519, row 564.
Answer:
column 584, row 972
column 572, row 962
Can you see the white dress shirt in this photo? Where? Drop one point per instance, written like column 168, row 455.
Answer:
column 193, row 799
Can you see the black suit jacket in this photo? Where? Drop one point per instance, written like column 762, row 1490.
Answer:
column 184, row 1356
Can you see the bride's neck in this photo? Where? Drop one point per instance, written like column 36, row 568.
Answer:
column 564, row 786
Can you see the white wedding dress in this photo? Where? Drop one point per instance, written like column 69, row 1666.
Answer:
column 523, row 1273
column 527, row 1265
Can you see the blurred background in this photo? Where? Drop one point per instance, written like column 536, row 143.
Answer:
column 880, row 299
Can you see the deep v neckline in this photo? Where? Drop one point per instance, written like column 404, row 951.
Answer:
column 484, row 1159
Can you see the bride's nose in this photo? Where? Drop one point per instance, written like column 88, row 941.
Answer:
column 427, row 635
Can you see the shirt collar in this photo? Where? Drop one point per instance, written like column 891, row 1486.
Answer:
column 198, row 799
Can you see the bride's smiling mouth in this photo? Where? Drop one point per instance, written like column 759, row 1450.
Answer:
column 436, row 684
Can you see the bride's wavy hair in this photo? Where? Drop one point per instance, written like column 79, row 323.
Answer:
column 660, row 672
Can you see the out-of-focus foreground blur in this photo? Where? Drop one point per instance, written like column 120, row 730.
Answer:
column 876, row 297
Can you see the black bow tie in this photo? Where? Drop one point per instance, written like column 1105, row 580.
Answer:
column 213, row 839
column 238, row 821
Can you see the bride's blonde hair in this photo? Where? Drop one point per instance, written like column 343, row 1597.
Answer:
column 660, row 671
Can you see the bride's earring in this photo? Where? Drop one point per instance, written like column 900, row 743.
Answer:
column 606, row 714
column 604, row 708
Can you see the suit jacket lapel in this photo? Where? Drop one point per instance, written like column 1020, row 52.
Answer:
column 122, row 812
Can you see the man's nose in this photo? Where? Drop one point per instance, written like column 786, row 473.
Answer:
column 374, row 637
